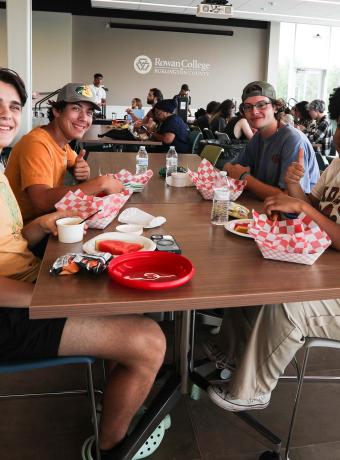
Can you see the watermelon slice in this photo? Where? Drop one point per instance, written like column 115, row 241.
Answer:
column 116, row 247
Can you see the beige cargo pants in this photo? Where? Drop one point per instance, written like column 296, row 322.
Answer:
column 262, row 340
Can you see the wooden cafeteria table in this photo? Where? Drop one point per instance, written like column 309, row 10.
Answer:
column 156, row 191
column 91, row 137
column 230, row 272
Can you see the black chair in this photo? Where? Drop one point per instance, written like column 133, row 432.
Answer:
column 322, row 161
column 208, row 134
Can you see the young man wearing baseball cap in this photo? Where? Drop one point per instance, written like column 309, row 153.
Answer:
column 133, row 345
column 272, row 149
column 269, row 337
column 39, row 161
column 321, row 132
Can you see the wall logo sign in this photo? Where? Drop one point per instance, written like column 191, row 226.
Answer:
column 191, row 67
column 142, row 64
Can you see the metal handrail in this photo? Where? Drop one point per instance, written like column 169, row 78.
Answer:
column 37, row 105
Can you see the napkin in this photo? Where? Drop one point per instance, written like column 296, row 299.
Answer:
column 297, row 240
column 135, row 182
column 86, row 205
column 139, row 217
column 206, row 178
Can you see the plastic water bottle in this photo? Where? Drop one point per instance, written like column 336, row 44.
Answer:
column 171, row 161
column 142, row 160
column 220, row 207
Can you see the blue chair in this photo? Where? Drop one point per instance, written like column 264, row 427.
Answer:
column 9, row 367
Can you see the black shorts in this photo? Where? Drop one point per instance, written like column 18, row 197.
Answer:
column 24, row 338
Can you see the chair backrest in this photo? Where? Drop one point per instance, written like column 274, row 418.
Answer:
column 194, row 138
column 208, row 134
column 212, row 153
column 223, row 138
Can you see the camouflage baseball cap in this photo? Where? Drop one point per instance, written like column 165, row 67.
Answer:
column 77, row 92
column 258, row 88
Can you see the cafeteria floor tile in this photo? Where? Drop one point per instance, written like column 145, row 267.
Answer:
column 54, row 428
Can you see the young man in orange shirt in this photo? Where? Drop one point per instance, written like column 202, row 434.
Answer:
column 38, row 162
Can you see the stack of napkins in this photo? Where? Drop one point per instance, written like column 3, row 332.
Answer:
column 207, row 177
column 297, row 240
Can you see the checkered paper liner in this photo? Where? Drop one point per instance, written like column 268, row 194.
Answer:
column 85, row 205
column 126, row 176
column 207, row 176
column 297, row 240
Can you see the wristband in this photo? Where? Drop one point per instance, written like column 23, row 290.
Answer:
column 244, row 175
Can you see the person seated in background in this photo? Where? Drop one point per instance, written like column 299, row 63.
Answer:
column 203, row 121
column 263, row 340
column 286, row 118
column 302, row 119
column 222, row 116
column 334, row 115
column 136, row 111
column 154, row 95
column 238, row 128
column 172, row 129
column 272, row 149
column 38, row 162
column 133, row 345
column 321, row 132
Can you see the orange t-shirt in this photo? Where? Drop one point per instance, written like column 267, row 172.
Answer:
column 16, row 260
column 37, row 160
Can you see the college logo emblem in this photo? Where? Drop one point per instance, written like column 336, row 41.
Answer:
column 142, row 64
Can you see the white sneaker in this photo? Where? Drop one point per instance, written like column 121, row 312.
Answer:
column 220, row 396
column 217, row 356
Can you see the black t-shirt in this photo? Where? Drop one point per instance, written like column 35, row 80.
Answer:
column 174, row 124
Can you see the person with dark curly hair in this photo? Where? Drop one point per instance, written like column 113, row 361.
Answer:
column 334, row 114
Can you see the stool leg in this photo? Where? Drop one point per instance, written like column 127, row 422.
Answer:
column 297, row 400
column 93, row 407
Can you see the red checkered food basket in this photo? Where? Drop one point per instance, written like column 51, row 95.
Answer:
column 85, row 205
column 297, row 240
column 126, row 177
column 206, row 178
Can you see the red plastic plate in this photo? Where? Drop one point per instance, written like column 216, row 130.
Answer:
column 151, row 270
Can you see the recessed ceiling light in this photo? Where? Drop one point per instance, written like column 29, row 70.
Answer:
column 330, row 2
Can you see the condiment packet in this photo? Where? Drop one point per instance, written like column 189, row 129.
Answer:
column 71, row 263
column 207, row 176
column 297, row 240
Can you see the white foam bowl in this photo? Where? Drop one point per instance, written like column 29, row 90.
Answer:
column 130, row 228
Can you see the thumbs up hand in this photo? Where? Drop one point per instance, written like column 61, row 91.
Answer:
column 81, row 170
column 296, row 169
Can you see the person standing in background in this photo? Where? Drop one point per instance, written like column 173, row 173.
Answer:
column 98, row 89
column 183, row 94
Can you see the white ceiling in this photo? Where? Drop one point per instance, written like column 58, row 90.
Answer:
column 325, row 12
